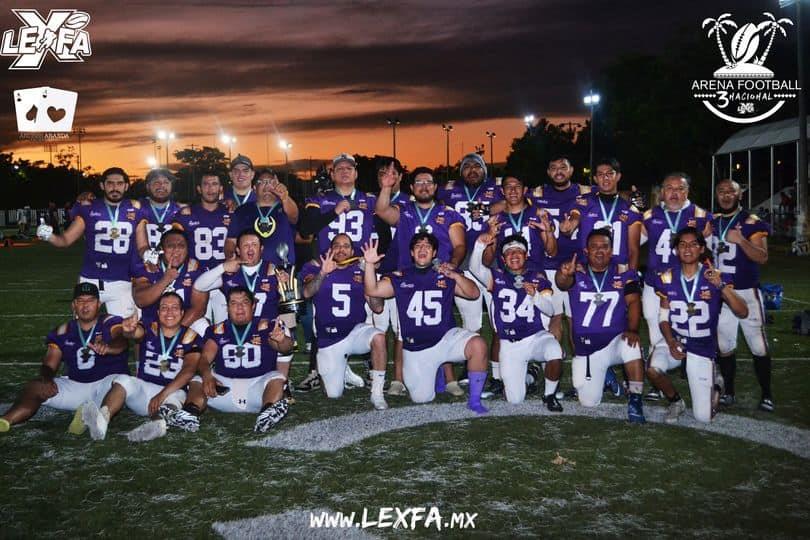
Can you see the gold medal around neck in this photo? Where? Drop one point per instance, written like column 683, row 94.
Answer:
column 265, row 227
column 114, row 233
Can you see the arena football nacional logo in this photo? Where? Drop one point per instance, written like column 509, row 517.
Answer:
column 743, row 90
column 61, row 34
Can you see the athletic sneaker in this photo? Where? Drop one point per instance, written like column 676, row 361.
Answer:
column 613, row 384
column 311, row 382
column 397, row 389
column 166, row 412
column 76, row 426
column 454, row 389
column 184, row 420
column 493, row 389
column 766, row 404
column 654, row 395
column 674, row 411
column 635, row 409
column 352, row 379
column 552, row 403
column 727, row 400
column 532, row 379
column 288, row 394
column 379, row 402
column 270, row 416
column 95, row 420
column 148, row 431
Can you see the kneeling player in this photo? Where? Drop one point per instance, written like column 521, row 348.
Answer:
column 606, row 312
column 691, row 300
column 336, row 284
column 243, row 352
column 94, row 352
column 519, row 297
column 424, row 297
column 167, row 360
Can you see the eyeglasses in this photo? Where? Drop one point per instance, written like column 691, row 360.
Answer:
column 609, row 174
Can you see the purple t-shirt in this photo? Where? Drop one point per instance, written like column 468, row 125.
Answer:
column 161, row 367
column 599, row 310
column 611, row 212
column 81, row 363
column 730, row 258
column 357, row 222
column 516, row 316
column 277, row 232
column 158, row 220
column 182, row 285
column 424, row 300
column 245, row 358
column 519, row 224
column 109, row 236
column 205, row 231
column 661, row 225
column 458, row 195
column 263, row 284
column 558, row 203
column 340, row 303
column 437, row 220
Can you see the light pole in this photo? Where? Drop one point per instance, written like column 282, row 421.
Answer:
column 591, row 101
column 394, row 122
column 229, row 140
column 491, row 135
column 447, row 129
column 166, row 136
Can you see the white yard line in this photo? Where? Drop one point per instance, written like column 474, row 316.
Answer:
column 802, row 302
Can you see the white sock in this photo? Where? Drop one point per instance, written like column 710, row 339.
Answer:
column 551, row 387
column 635, row 387
column 377, row 381
column 105, row 412
column 496, row 370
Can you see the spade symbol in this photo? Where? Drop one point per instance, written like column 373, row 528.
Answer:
column 31, row 114
column 56, row 114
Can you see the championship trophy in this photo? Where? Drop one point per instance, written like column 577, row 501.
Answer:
column 291, row 300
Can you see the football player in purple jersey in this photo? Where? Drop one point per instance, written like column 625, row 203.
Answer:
column 605, row 302
column 238, row 368
column 241, row 190
column 430, row 337
column 167, row 360
column 423, row 214
column 157, row 213
column 93, row 350
column 108, row 226
column 335, row 285
column 519, row 295
column 691, row 298
column 740, row 246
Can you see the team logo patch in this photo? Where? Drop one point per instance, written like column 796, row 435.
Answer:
column 226, row 219
column 440, row 219
column 666, row 277
column 179, row 352
column 256, row 340
column 706, row 295
column 692, row 223
column 357, row 278
column 617, row 284
column 623, row 217
column 441, row 283
column 130, row 214
column 187, row 282
column 363, row 205
column 265, row 287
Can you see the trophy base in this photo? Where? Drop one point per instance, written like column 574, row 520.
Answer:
column 291, row 306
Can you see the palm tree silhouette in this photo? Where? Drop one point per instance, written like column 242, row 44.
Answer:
column 718, row 27
column 772, row 26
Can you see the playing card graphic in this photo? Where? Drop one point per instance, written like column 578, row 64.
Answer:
column 44, row 109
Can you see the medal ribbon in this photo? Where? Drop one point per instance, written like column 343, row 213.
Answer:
column 179, row 269
column 690, row 295
column 113, row 217
column 673, row 228
column 608, row 218
column 251, row 284
column 240, row 340
column 517, row 226
column 86, row 341
column 599, row 286
column 724, row 232
column 265, row 218
column 475, row 194
column 164, row 351
column 159, row 217
column 423, row 218
column 240, row 202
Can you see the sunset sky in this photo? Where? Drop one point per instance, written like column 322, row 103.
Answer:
column 325, row 75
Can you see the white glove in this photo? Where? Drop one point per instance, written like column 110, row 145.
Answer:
column 151, row 256
column 44, row 231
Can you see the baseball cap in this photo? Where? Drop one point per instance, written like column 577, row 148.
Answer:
column 240, row 159
column 344, row 157
column 82, row 289
column 473, row 158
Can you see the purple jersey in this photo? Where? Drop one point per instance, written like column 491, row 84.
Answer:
column 109, row 238
column 231, row 195
column 558, row 203
column 519, row 224
column 425, row 305
column 276, row 232
column 340, row 304
column 458, row 195
column 357, row 222
column 246, row 355
column 182, row 285
column 206, row 232
column 661, row 225
column 730, row 258
column 161, row 367
column 158, row 220
column 599, row 310
column 607, row 212
column 82, row 364
column 516, row 316
column 694, row 326
column 391, row 259
column 263, row 283
column 436, row 220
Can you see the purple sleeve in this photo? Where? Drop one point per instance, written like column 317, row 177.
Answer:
column 309, row 269
column 108, row 324
column 52, row 337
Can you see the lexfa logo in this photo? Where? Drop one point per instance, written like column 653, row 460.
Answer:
column 61, row 34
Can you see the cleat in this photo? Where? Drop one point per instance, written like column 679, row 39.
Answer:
column 674, row 411
column 532, row 379
column 311, row 382
column 397, row 389
column 95, row 420
column 379, row 402
column 727, row 400
column 184, row 420
column 494, row 389
column 477, row 408
column 571, row 393
column 552, row 403
column 613, row 384
column 166, row 412
column 635, row 409
column 4, row 425
column 270, row 416
column 454, row 389
column 766, row 404
column 148, row 431
column 654, row 395
column 288, row 394
column 76, row 426
column 352, row 379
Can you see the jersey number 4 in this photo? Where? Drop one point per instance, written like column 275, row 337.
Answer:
column 425, row 308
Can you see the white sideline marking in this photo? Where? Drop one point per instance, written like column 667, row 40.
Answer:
column 290, row 524
column 334, row 433
column 795, row 300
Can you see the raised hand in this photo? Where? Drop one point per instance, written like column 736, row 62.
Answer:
column 342, row 206
column 569, row 268
column 130, row 324
column 735, row 236
column 99, row 348
column 637, row 198
column 389, row 177
column 370, row 254
column 545, row 224
column 277, row 334
column 232, row 265
column 151, row 256
column 530, row 288
column 568, row 225
column 491, row 234
column 447, row 269
column 328, row 264
column 712, row 274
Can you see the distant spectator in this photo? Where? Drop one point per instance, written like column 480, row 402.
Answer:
column 22, row 221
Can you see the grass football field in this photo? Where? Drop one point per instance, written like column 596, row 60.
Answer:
column 520, row 471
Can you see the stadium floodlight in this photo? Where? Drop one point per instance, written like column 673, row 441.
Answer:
column 166, row 136
column 229, row 140
column 591, row 101
column 152, row 162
